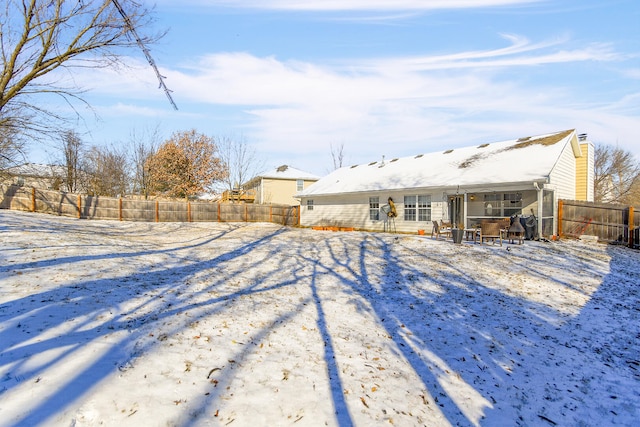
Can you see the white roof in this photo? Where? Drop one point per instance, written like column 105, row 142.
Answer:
column 288, row 172
column 523, row 160
column 35, row 170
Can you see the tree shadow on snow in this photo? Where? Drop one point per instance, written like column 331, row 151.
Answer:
column 484, row 356
column 487, row 356
column 45, row 329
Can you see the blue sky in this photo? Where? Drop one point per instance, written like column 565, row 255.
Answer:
column 393, row 78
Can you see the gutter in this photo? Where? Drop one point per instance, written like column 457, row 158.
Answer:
column 462, row 188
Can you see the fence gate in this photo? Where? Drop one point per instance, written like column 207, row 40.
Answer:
column 610, row 223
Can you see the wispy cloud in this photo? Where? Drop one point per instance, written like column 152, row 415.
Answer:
column 356, row 5
column 245, row 79
column 381, row 105
column 521, row 52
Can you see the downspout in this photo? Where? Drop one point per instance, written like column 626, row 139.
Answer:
column 540, row 210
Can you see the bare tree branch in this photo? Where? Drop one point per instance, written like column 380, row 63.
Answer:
column 337, row 155
column 107, row 171
column 73, row 151
column 617, row 175
column 240, row 160
column 143, row 146
column 39, row 37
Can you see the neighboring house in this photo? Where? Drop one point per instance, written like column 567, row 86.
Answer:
column 280, row 185
column 45, row 177
column 463, row 186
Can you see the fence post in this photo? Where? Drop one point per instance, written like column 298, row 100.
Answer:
column 33, row 199
column 120, row 208
column 630, row 227
column 79, row 207
column 299, row 212
column 246, row 213
column 270, row 213
column 218, row 211
column 157, row 211
column 188, row 211
column 560, row 215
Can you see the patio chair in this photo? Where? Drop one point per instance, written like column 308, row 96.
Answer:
column 438, row 231
column 490, row 230
column 505, row 223
column 445, row 225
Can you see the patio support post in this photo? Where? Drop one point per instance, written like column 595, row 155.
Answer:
column 540, row 201
column 560, row 215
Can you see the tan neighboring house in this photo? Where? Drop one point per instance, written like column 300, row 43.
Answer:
column 44, row 177
column 279, row 186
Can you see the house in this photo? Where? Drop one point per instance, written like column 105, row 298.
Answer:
column 279, row 185
column 463, row 186
column 45, row 177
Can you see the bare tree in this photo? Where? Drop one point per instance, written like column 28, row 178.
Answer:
column 617, row 175
column 185, row 165
column 107, row 172
column 143, row 146
column 38, row 37
column 72, row 148
column 337, row 155
column 11, row 148
column 240, row 161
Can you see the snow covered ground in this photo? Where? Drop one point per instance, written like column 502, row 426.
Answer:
column 167, row 324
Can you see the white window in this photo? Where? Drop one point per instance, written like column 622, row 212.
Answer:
column 309, row 204
column 300, row 185
column 424, row 208
column 502, row 204
column 374, row 208
column 492, row 204
column 512, row 204
column 409, row 208
column 417, row 208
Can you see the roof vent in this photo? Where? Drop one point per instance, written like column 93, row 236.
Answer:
column 483, row 145
column 418, row 156
column 354, row 166
column 282, row 168
column 523, row 139
column 372, row 163
column 582, row 137
column 448, row 151
column 393, row 160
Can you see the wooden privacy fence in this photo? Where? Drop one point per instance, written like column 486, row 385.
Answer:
column 95, row 207
column 611, row 223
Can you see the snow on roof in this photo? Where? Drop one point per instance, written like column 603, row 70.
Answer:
column 288, row 172
column 525, row 159
column 35, row 170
